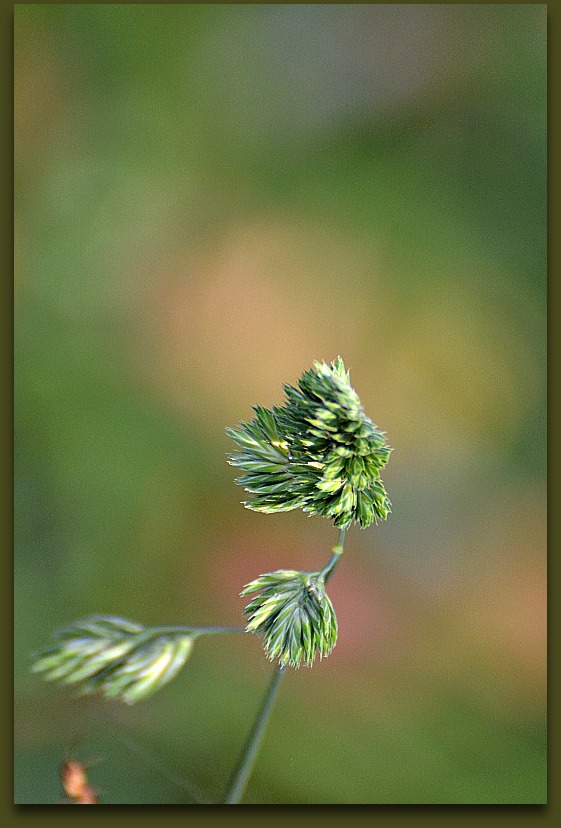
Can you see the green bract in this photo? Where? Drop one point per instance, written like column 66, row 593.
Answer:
column 295, row 615
column 114, row 657
column 318, row 452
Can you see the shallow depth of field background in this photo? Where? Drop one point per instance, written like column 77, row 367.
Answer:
column 208, row 198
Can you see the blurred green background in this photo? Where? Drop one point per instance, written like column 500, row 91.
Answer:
column 208, row 198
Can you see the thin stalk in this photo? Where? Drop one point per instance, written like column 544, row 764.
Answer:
column 240, row 775
column 330, row 566
column 194, row 632
column 216, row 630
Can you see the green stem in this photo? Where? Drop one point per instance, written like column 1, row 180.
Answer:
column 195, row 632
column 329, row 568
column 240, row 775
column 216, row 630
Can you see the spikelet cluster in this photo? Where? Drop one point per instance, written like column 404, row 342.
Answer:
column 114, row 657
column 318, row 452
column 294, row 614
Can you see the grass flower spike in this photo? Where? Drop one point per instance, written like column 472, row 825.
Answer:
column 295, row 615
column 114, row 657
column 318, row 452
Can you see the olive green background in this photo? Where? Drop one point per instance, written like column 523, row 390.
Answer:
column 208, row 198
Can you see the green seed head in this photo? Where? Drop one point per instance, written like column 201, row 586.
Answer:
column 294, row 614
column 113, row 657
column 318, row 452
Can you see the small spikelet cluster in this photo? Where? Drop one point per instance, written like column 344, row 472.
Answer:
column 114, row 657
column 318, row 452
column 294, row 614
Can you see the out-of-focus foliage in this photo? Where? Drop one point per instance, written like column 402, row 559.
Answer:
column 114, row 657
column 208, row 198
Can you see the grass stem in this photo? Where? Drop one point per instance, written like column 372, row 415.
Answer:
column 240, row 775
